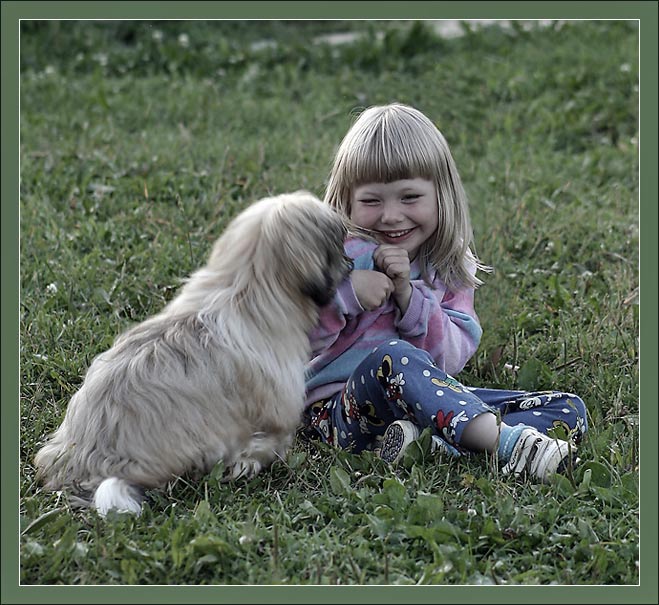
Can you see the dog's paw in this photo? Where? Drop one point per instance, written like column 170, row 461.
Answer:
column 245, row 468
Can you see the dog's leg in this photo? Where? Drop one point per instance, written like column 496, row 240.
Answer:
column 118, row 495
column 260, row 452
column 245, row 468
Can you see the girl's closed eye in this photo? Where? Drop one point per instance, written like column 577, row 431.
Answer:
column 411, row 197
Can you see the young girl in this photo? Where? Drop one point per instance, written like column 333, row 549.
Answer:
column 403, row 323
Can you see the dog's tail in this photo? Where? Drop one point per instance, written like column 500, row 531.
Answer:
column 118, row 495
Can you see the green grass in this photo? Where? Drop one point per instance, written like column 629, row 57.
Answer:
column 137, row 148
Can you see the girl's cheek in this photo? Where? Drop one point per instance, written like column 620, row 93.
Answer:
column 363, row 217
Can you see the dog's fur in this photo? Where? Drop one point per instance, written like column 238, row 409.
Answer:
column 218, row 375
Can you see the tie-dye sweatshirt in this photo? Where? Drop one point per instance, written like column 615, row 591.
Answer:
column 437, row 320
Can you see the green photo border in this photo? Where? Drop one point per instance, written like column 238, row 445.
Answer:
column 13, row 11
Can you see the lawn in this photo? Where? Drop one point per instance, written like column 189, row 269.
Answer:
column 141, row 140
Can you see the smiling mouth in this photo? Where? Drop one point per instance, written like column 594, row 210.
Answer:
column 396, row 234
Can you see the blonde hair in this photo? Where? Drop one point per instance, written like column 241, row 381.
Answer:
column 395, row 142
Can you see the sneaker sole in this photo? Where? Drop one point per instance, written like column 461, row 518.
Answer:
column 392, row 446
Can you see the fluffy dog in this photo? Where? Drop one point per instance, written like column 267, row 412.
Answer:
column 217, row 375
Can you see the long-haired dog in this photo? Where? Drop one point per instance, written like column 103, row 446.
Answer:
column 217, row 375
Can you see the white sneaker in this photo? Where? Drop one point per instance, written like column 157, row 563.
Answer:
column 396, row 438
column 400, row 434
column 539, row 456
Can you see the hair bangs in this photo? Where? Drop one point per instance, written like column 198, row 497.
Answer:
column 391, row 153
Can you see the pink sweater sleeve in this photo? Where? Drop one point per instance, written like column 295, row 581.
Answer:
column 442, row 322
column 333, row 317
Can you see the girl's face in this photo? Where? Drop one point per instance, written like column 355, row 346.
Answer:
column 401, row 213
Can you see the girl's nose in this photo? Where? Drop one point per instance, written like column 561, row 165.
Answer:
column 391, row 213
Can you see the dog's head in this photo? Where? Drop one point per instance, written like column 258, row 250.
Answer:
column 306, row 240
column 293, row 241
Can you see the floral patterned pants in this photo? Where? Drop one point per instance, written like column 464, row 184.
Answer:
column 397, row 381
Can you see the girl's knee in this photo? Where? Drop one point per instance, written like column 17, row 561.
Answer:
column 389, row 345
column 400, row 351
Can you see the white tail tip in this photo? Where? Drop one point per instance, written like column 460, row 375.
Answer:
column 117, row 495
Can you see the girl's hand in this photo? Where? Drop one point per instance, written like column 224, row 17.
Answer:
column 395, row 262
column 371, row 287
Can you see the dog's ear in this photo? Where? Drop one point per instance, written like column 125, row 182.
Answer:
column 335, row 266
column 321, row 294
